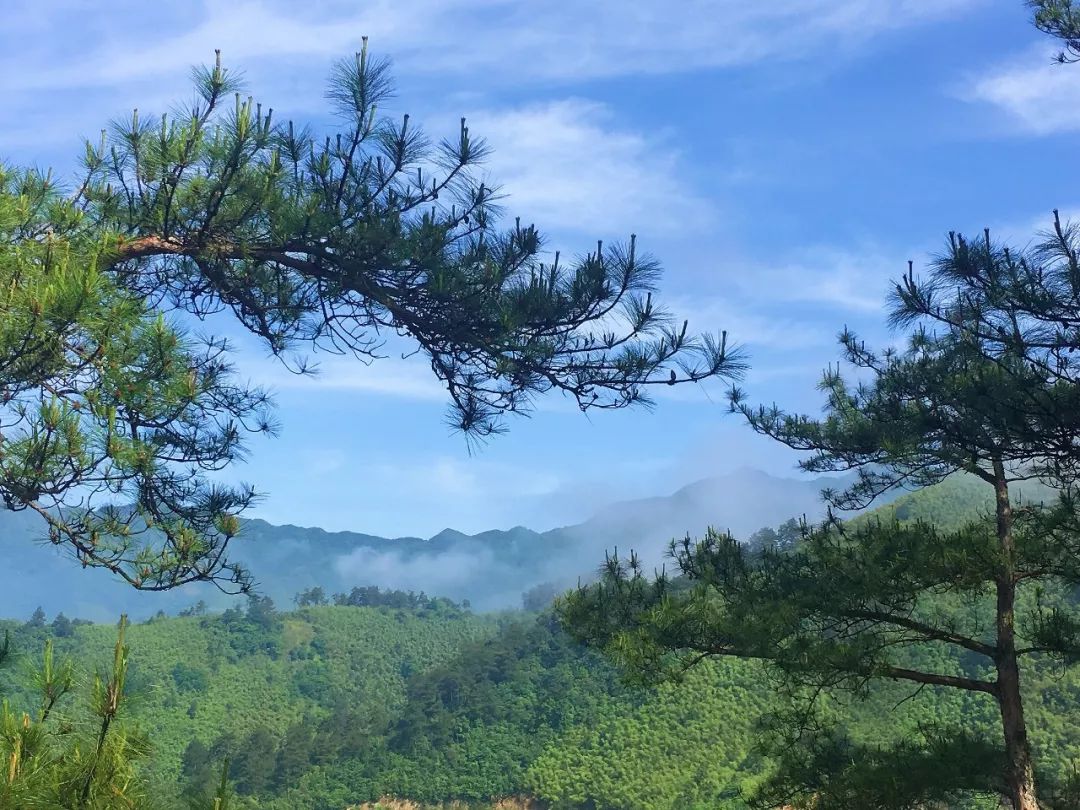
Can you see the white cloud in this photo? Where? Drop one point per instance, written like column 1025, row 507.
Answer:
column 853, row 281
column 566, row 164
column 782, row 304
column 747, row 325
column 1038, row 95
column 500, row 40
column 389, row 376
column 441, row 573
column 474, row 479
column 321, row 462
column 608, row 38
column 251, row 30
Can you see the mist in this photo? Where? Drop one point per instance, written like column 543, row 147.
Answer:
column 491, row 569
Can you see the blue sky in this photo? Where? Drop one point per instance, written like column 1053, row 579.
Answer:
column 783, row 160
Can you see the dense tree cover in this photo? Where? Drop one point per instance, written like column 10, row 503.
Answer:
column 310, row 243
column 784, row 536
column 332, row 705
column 539, row 597
column 197, row 677
column 373, row 596
column 467, row 729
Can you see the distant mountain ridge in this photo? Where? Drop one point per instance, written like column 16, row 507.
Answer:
column 490, row 569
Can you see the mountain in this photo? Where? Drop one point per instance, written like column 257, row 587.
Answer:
column 490, row 569
column 740, row 502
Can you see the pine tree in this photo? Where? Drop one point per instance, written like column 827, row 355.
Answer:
column 1060, row 19
column 102, row 400
column 62, row 626
column 849, row 604
column 254, row 764
column 37, row 618
column 988, row 386
column 59, row 756
column 310, row 243
column 311, row 596
column 294, row 755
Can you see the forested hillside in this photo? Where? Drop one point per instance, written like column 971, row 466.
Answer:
column 391, row 694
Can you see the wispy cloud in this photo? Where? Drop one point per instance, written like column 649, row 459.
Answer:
column 848, row 280
column 607, row 39
column 502, row 40
column 748, row 325
column 321, row 462
column 388, row 376
column 568, row 165
column 472, row 479
column 1037, row 95
column 157, row 41
column 784, row 302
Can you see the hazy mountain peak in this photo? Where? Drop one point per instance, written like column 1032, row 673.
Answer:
column 448, row 535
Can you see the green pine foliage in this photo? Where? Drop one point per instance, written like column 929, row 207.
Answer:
column 104, row 401
column 72, row 748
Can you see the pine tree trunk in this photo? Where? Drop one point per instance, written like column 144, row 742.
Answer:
column 1020, row 770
